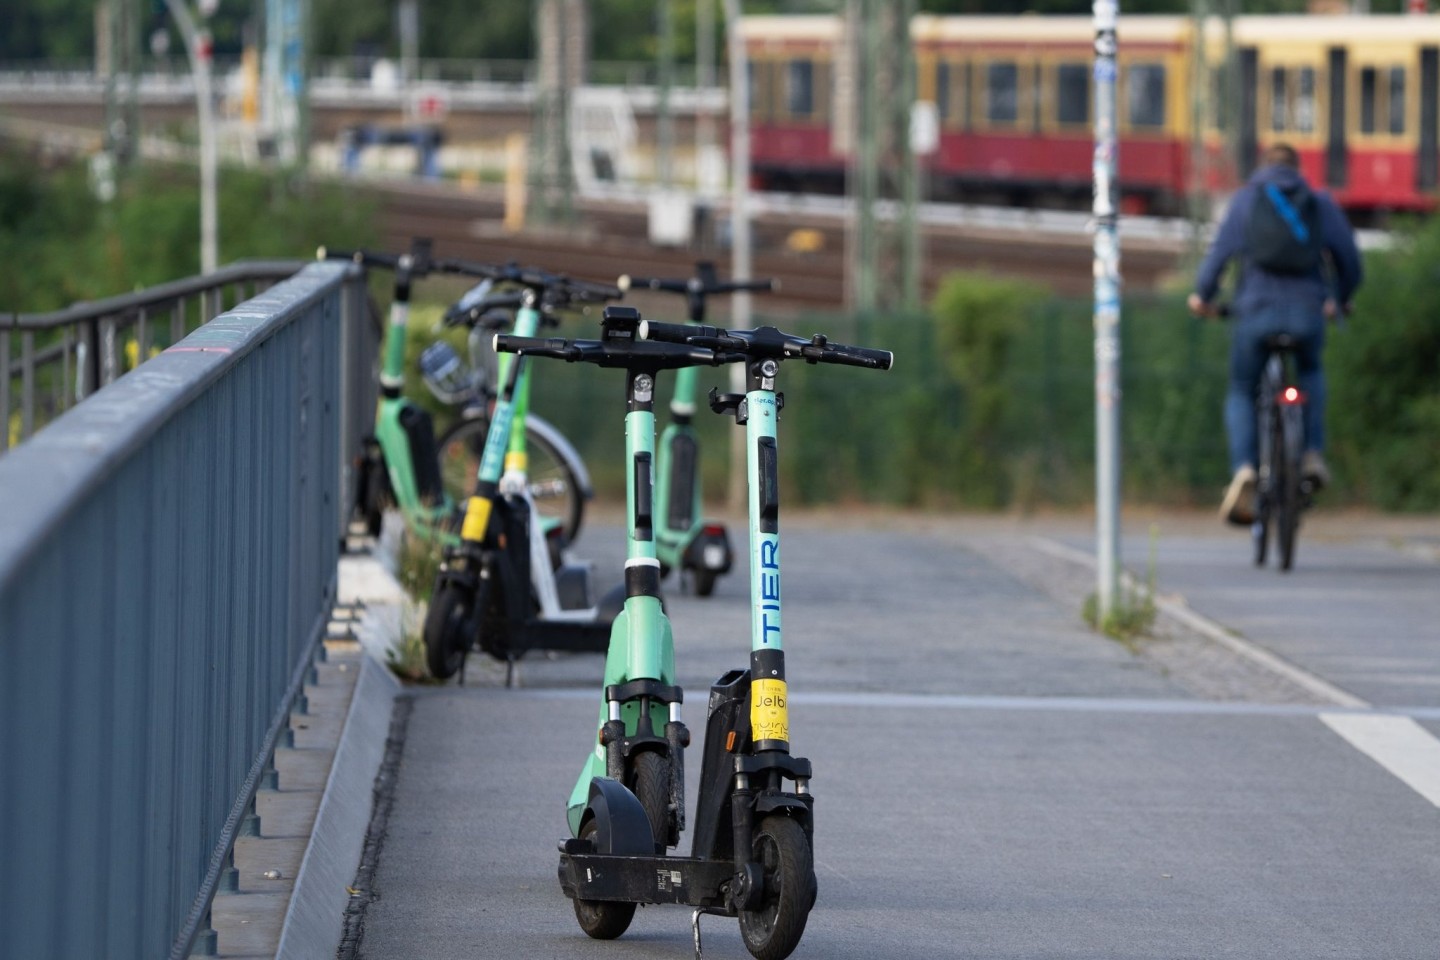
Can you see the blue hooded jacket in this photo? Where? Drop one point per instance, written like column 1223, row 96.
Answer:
column 1259, row 288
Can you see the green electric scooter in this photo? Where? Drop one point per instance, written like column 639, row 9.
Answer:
column 400, row 465
column 684, row 540
column 507, row 585
column 751, row 854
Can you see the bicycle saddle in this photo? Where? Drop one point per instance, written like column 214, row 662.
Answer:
column 1280, row 342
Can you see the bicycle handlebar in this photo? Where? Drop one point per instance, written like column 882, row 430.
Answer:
column 613, row 353
column 768, row 342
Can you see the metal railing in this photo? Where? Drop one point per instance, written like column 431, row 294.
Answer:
column 50, row 361
column 168, row 560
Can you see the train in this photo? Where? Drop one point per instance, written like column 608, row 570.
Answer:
column 1356, row 96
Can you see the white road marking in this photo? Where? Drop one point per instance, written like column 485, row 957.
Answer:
column 1398, row 744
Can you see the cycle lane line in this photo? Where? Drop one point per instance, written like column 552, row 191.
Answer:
column 1397, row 743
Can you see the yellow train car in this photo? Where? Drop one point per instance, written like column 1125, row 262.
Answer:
column 1357, row 96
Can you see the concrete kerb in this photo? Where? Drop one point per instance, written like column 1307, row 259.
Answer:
column 314, row 921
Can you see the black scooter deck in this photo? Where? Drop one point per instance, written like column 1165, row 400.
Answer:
column 586, row 875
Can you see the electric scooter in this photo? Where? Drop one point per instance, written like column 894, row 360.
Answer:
column 399, row 463
column 752, row 844
column 506, row 586
column 684, row 540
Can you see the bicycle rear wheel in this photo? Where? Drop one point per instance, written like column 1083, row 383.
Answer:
column 1288, row 492
column 1264, row 487
column 553, row 484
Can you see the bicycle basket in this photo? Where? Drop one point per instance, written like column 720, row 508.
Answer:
column 446, row 374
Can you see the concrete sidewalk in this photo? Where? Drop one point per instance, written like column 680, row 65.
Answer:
column 951, row 652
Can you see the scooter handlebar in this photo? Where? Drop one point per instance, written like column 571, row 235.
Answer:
column 613, row 353
column 768, row 342
column 696, row 285
column 365, row 258
column 556, row 348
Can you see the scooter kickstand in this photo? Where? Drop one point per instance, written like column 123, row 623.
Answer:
column 695, row 930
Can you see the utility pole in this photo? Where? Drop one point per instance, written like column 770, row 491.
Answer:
column 740, row 254
column 285, row 103
column 198, row 48
column 704, row 83
column 118, row 45
column 664, row 119
column 561, row 30
column 1107, row 314
column 880, row 67
column 1200, row 92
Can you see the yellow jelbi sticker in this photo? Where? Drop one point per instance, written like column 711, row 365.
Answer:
column 769, row 718
column 477, row 519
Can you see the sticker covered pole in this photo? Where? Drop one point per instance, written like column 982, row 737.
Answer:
column 1107, row 313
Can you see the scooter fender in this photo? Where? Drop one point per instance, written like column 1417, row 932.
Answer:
column 621, row 826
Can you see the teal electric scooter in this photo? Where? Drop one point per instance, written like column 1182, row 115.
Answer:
column 507, row 585
column 752, row 843
column 684, row 540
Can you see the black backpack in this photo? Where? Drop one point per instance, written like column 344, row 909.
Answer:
column 1283, row 235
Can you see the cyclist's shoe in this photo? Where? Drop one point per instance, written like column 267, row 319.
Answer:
column 1238, row 506
column 1313, row 469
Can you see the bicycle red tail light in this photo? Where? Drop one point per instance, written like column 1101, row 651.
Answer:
column 1291, row 395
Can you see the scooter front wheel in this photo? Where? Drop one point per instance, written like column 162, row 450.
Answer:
column 449, row 629
column 602, row 919
column 773, row 929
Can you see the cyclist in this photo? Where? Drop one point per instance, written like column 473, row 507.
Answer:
column 1280, row 231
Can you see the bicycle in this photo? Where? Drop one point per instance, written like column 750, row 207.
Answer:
column 401, row 465
column 1282, row 493
column 752, row 847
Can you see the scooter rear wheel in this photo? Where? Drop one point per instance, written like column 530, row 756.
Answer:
column 602, row 919
column 773, row 930
column 705, row 582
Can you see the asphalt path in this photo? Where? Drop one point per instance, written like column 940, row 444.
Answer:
column 993, row 780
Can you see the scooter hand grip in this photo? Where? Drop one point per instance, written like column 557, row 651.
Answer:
column 756, row 286
column 362, row 257
column 554, row 347
column 469, row 268
column 628, row 282
column 867, row 357
column 677, row 332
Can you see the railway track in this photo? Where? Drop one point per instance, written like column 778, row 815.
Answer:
column 611, row 238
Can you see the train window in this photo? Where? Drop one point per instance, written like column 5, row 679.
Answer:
column 1072, row 93
column 1397, row 100
column 1146, row 95
column 799, row 88
column 1279, row 102
column 1002, row 92
column 942, row 92
column 1302, row 108
column 1367, row 100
